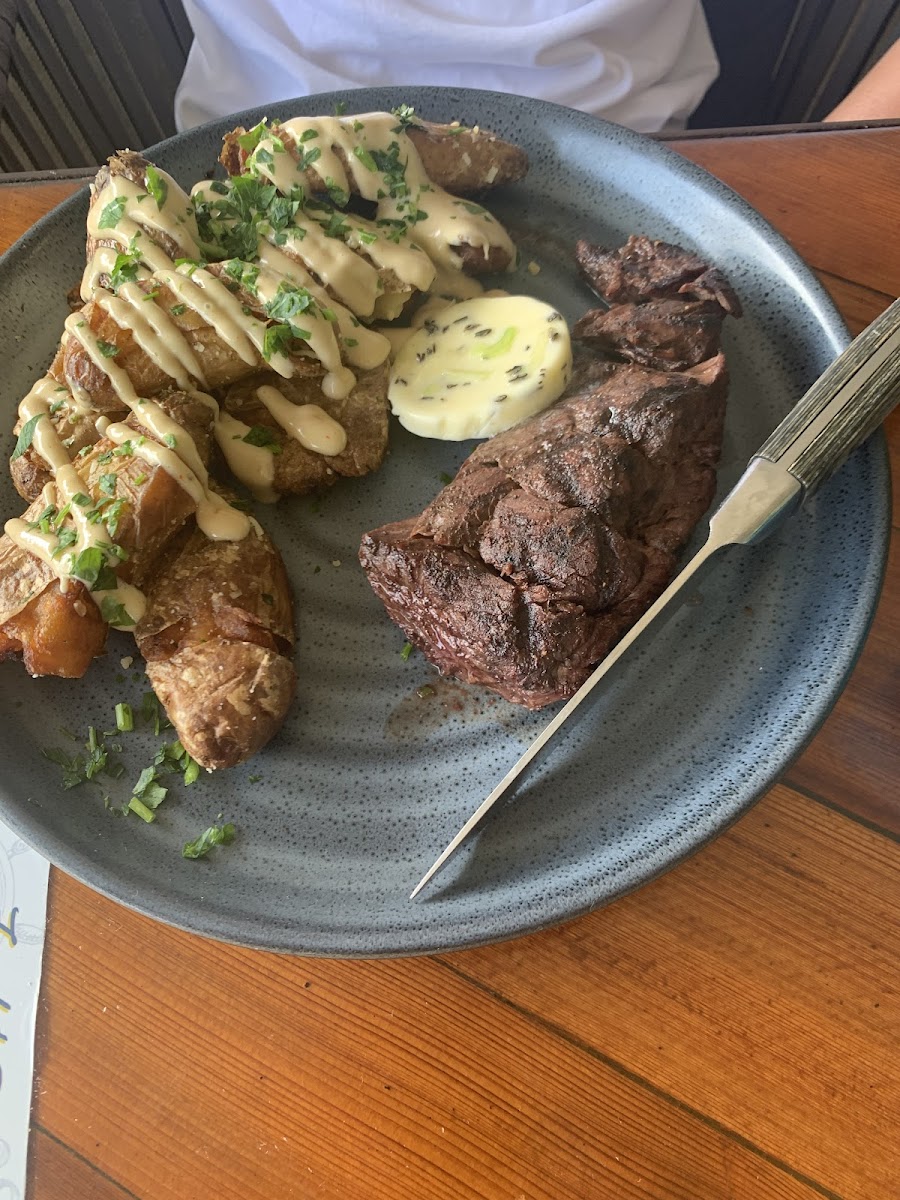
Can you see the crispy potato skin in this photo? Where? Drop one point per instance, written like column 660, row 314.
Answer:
column 217, row 637
column 363, row 414
column 59, row 632
column 461, row 161
column 467, row 161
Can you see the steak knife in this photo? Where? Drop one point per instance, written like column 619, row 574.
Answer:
column 841, row 409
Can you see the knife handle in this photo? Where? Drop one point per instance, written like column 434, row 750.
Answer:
column 843, row 406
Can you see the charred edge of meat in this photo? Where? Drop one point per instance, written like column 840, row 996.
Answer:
column 556, row 535
column 644, row 270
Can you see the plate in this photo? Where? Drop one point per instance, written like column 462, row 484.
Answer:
column 342, row 813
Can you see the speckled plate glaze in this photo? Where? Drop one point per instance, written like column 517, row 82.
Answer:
column 340, row 816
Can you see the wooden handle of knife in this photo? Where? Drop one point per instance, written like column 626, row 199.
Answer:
column 843, row 406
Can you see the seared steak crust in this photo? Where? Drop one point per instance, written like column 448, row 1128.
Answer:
column 557, row 534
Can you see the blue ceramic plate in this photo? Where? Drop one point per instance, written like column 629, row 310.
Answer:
column 339, row 817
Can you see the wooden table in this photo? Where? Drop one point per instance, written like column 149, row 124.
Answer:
column 729, row 1031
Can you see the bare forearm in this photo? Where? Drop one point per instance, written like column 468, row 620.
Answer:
column 877, row 95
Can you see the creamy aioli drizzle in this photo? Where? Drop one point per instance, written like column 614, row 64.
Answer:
column 254, row 466
column 433, row 221
column 433, row 218
column 175, row 219
column 308, row 423
column 363, row 347
column 67, row 484
column 215, row 516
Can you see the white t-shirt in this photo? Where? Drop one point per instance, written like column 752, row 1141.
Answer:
column 643, row 63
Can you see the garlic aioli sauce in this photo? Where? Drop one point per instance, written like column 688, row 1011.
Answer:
column 154, row 331
column 363, row 347
column 67, row 485
column 139, row 212
column 215, row 516
column 253, row 465
column 417, row 227
column 397, row 181
column 308, row 423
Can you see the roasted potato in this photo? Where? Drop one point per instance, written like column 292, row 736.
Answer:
column 363, row 415
column 460, row 159
column 59, row 632
column 471, row 159
column 134, row 167
column 217, row 637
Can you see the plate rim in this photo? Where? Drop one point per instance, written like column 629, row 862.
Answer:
column 820, row 307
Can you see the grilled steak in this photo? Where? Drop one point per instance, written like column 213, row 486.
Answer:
column 556, row 535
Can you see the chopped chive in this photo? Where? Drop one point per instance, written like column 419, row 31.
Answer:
column 124, row 718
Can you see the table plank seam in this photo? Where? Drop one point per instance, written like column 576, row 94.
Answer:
column 36, row 1125
column 877, row 292
column 638, row 1080
column 857, row 818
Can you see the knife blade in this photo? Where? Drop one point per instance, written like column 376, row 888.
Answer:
column 845, row 404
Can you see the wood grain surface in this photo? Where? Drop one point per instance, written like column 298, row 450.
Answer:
column 729, row 1032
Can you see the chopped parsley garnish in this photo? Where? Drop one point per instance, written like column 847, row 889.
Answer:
column 350, row 343
column 406, row 651
column 338, row 195
column 147, row 795
column 278, row 338
column 308, row 134
column 152, row 712
column 91, row 567
column 112, row 213
column 445, row 478
column 177, row 309
column 116, row 614
column 156, row 185
column 365, row 158
column 111, row 514
column 44, row 519
column 308, row 157
column 171, row 440
column 72, row 766
column 336, row 226
column 26, row 436
column 65, row 538
column 125, row 268
column 79, row 768
column 216, row 835
column 289, row 301
column 405, row 115
column 264, row 437
column 250, row 140
column 475, row 209
column 340, row 108
column 108, row 484
column 107, row 349
column 244, row 275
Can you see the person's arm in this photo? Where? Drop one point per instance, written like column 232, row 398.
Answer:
column 877, row 95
